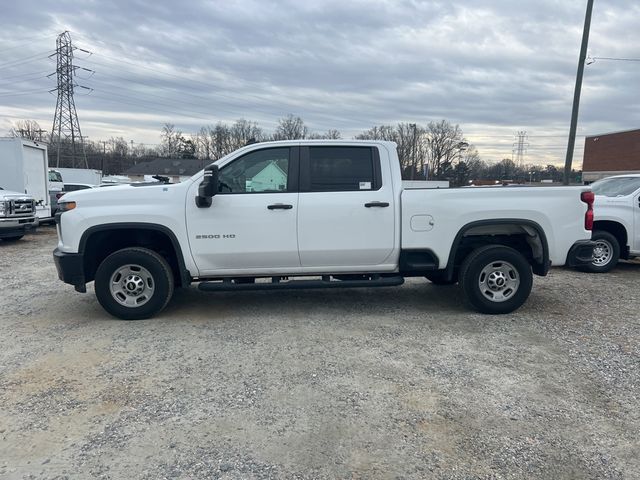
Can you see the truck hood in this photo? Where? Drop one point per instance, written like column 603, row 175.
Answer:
column 10, row 194
column 131, row 194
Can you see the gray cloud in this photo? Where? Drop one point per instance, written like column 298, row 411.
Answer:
column 494, row 67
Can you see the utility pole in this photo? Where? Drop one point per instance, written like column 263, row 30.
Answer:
column 576, row 93
column 414, row 150
column 66, row 137
column 104, row 154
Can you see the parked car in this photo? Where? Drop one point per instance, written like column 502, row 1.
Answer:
column 337, row 210
column 74, row 187
column 616, row 228
column 17, row 214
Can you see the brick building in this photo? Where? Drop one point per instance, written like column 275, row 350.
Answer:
column 611, row 154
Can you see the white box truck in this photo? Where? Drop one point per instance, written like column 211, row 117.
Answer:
column 24, row 168
column 80, row 175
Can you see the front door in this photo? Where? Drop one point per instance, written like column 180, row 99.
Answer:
column 346, row 212
column 251, row 224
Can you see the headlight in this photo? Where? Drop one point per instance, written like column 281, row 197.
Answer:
column 3, row 208
column 66, row 206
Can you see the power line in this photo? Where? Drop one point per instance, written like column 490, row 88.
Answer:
column 29, row 59
column 20, row 75
column 30, row 41
column 612, row 59
column 25, row 92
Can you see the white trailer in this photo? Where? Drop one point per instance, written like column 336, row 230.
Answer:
column 80, row 175
column 24, row 168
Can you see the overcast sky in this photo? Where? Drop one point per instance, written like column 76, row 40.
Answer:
column 494, row 67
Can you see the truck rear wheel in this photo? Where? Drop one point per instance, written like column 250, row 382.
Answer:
column 606, row 253
column 496, row 279
column 134, row 283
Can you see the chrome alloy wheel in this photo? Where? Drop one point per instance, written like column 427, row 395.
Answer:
column 131, row 286
column 602, row 253
column 499, row 281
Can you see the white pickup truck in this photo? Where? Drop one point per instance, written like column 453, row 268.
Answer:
column 616, row 228
column 17, row 215
column 335, row 212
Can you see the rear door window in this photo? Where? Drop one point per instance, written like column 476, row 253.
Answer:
column 342, row 169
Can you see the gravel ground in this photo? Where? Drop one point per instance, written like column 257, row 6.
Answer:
column 371, row 383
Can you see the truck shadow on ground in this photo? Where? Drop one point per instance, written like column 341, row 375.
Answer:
column 413, row 299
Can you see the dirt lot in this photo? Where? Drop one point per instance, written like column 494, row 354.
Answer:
column 375, row 383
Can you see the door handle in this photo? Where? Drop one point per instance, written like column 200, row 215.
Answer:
column 280, row 206
column 376, row 204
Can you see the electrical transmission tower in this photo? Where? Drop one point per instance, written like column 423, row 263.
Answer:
column 519, row 148
column 66, row 138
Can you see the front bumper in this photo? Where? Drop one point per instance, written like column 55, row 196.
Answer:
column 70, row 267
column 10, row 227
column 581, row 253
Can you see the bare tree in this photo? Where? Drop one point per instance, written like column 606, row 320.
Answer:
column 331, row 134
column 381, row 132
column 201, row 141
column 290, row 128
column 29, row 129
column 445, row 142
column 243, row 132
column 170, row 140
column 118, row 146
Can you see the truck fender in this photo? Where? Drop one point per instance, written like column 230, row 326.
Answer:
column 529, row 226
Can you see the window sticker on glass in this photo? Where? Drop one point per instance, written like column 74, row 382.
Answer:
column 365, row 185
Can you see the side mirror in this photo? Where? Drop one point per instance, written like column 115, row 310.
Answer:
column 208, row 187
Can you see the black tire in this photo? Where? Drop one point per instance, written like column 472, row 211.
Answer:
column 502, row 290
column 12, row 239
column 438, row 278
column 151, row 270
column 605, row 254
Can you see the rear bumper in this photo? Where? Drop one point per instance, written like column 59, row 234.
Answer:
column 70, row 267
column 581, row 253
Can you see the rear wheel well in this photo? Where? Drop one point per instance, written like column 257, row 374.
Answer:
column 523, row 238
column 617, row 230
column 100, row 244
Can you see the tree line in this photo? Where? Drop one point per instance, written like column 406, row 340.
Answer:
column 435, row 151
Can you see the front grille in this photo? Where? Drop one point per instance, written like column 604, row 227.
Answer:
column 21, row 208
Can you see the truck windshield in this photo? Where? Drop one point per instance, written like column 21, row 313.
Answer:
column 616, row 187
column 54, row 176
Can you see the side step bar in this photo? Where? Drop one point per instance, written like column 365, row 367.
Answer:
column 276, row 284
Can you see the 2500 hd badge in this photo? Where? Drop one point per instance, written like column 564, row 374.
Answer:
column 216, row 236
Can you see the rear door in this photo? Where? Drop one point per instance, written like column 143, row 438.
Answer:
column 36, row 179
column 345, row 212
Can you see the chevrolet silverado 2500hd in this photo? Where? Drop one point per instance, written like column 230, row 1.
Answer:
column 616, row 227
column 271, row 213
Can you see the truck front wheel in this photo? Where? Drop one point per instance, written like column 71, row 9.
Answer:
column 496, row 279
column 134, row 283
